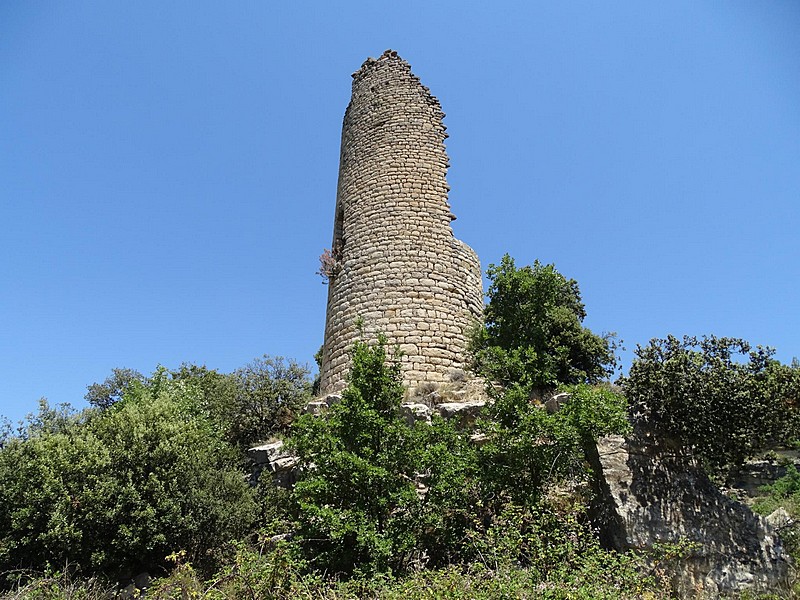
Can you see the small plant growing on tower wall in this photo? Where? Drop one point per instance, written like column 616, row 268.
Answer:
column 330, row 263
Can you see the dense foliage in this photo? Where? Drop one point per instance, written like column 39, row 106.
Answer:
column 271, row 392
column 533, row 335
column 255, row 402
column 117, row 491
column 103, row 395
column 721, row 397
column 385, row 506
column 356, row 497
column 380, row 495
column 250, row 405
column 530, row 449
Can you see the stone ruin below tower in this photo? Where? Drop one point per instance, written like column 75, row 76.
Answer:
column 395, row 265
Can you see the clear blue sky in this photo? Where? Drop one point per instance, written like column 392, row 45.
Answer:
column 168, row 169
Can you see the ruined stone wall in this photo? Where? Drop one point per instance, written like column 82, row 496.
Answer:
column 400, row 270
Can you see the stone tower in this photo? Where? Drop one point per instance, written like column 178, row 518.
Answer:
column 396, row 266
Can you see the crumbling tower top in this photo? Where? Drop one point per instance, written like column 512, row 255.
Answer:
column 398, row 267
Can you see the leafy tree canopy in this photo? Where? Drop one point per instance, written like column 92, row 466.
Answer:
column 271, row 392
column 357, row 503
column 722, row 397
column 103, row 395
column 533, row 335
column 118, row 490
column 250, row 405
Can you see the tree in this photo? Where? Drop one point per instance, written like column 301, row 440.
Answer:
column 271, row 392
column 357, row 503
column 530, row 449
column 722, row 398
column 120, row 490
column 103, row 395
column 532, row 336
column 249, row 405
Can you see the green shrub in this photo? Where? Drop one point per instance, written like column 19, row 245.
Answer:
column 720, row 397
column 532, row 336
column 530, row 449
column 271, row 393
column 248, row 406
column 356, row 497
column 118, row 491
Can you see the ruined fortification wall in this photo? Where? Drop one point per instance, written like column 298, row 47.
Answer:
column 401, row 270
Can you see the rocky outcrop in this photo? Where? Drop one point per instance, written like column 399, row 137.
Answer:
column 648, row 495
column 416, row 412
column 464, row 413
column 765, row 470
column 275, row 460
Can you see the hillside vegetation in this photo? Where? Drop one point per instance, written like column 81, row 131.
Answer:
column 154, row 478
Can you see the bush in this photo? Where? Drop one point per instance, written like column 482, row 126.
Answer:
column 530, row 450
column 533, row 335
column 120, row 490
column 250, row 405
column 271, row 393
column 720, row 397
column 784, row 493
column 357, row 503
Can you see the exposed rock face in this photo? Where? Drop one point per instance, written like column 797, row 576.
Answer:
column 398, row 266
column 464, row 412
column 274, row 459
column 416, row 412
column 648, row 495
column 758, row 472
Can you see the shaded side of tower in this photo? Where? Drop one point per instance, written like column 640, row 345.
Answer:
column 399, row 269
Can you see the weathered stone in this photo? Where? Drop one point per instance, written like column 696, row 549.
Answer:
column 464, row 412
column 265, row 453
column 416, row 412
column 315, row 407
column 274, row 459
column 398, row 266
column 758, row 472
column 554, row 403
column 648, row 494
column 332, row 399
column 282, row 463
column 479, row 439
column 779, row 519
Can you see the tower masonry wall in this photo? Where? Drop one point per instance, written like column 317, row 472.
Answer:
column 400, row 270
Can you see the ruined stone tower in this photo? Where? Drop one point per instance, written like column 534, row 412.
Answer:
column 396, row 265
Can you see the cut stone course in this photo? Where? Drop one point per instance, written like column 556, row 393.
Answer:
column 400, row 270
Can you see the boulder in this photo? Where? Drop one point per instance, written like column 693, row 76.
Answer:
column 315, row 407
column 479, row 439
column 648, row 494
column 464, row 412
column 274, row 459
column 263, row 454
column 416, row 412
column 332, row 399
column 555, row 402
column 780, row 519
